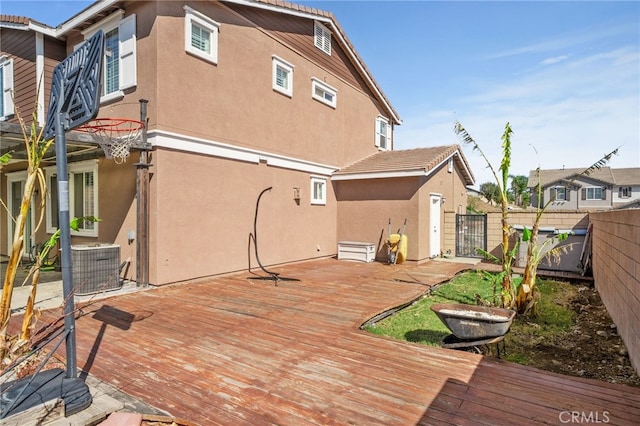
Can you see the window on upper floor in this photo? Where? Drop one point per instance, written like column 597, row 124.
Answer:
column 322, row 37
column 318, row 190
column 119, row 70
column 83, row 197
column 6, row 88
column 323, row 92
column 593, row 193
column 282, row 76
column 559, row 193
column 624, row 192
column 201, row 35
column 383, row 133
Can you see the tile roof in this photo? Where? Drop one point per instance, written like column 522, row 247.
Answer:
column 417, row 160
column 626, row 176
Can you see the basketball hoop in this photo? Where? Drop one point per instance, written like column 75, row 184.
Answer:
column 114, row 135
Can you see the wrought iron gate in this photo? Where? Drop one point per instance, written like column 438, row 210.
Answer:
column 471, row 234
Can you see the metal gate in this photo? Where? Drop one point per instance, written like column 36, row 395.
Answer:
column 471, row 234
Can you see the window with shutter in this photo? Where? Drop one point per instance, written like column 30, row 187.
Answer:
column 6, row 87
column 200, row 35
column 83, row 197
column 119, row 71
column 383, row 133
column 322, row 38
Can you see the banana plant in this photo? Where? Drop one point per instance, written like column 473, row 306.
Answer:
column 33, row 275
column 508, row 292
column 36, row 148
column 526, row 299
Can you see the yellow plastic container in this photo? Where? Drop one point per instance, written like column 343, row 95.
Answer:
column 398, row 244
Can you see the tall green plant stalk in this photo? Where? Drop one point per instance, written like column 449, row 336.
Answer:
column 508, row 292
column 36, row 149
column 526, row 300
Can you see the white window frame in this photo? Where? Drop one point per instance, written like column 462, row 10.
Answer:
column 383, row 141
column 279, row 63
column 318, row 199
column 593, row 190
column 322, row 37
column 318, row 85
column 127, row 60
column 625, row 192
column 74, row 169
column 556, row 191
column 6, row 87
column 193, row 17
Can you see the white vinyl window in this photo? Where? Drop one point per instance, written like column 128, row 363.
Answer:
column 322, row 38
column 200, row 35
column 83, row 197
column 558, row 193
column 119, row 71
column 318, row 190
column 594, row 193
column 383, row 133
column 282, row 76
column 323, row 92
column 6, row 87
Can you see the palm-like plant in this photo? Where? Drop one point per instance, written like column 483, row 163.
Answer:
column 508, row 254
column 36, row 148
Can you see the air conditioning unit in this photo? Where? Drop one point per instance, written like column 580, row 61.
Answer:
column 95, row 267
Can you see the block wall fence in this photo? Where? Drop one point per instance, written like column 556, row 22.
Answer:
column 616, row 272
column 615, row 259
column 558, row 220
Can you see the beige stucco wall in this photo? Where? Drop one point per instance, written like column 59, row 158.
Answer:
column 616, row 272
column 202, row 206
column 203, row 211
column 365, row 207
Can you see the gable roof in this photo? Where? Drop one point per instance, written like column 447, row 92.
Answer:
column 404, row 163
column 606, row 175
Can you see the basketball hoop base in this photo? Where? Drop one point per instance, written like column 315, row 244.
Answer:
column 116, row 136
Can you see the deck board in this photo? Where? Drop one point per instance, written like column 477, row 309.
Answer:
column 232, row 350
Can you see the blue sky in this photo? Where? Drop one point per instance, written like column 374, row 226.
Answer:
column 565, row 74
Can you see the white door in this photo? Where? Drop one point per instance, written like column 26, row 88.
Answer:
column 434, row 225
column 15, row 188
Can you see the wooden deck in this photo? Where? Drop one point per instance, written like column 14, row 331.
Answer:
column 232, row 350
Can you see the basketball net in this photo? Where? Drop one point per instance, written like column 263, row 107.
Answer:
column 114, row 135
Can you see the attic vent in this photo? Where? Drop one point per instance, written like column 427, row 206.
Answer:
column 322, row 38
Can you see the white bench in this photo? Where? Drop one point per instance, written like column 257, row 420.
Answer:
column 353, row 250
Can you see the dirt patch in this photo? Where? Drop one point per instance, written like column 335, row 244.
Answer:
column 592, row 347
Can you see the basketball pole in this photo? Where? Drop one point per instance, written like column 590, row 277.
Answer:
column 64, row 222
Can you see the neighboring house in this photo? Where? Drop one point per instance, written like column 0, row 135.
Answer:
column 604, row 188
column 243, row 96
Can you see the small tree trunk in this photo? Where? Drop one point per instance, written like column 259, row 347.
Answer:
column 525, row 294
column 507, row 299
column 14, row 258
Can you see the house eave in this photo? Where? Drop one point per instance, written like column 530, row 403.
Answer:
column 381, row 175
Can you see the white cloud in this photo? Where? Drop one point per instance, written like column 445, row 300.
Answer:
column 554, row 60
column 573, row 114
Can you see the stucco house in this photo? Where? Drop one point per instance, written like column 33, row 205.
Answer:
column 242, row 96
column 603, row 189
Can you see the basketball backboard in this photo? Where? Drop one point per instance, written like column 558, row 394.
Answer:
column 75, row 88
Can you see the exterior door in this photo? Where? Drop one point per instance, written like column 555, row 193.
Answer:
column 434, row 225
column 15, row 188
